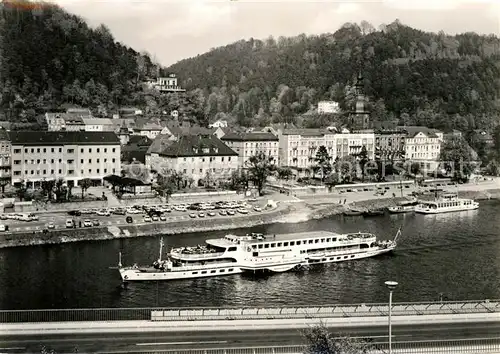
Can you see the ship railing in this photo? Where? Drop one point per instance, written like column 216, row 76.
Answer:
column 196, row 256
column 194, row 313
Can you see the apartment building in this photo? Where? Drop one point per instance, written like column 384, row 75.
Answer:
column 199, row 157
column 38, row 156
column 250, row 144
column 71, row 122
column 298, row 147
column 5, row 151
column 423, row 145
column 390, row 144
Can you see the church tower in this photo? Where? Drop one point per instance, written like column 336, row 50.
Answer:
column 360, row 118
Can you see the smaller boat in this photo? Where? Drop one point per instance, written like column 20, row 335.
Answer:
column 353, row 212
column 374, row 212
column 403, row 207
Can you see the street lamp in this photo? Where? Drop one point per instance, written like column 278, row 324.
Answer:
column 391, row 285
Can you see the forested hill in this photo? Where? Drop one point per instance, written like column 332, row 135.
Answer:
column 421, row 78
column 50, row 58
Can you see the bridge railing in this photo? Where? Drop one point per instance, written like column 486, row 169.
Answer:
column 193, row 314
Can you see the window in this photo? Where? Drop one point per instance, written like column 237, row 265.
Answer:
column 51, row 172
column 105, row 150
column 97, row 171
column 60, row 160
column 17, row 162
column 44, row 161
column 113, row 160
column 81, row 160
column 81, row 150
column 60, row 149
column 222, row 158
column 213, row 271
column 70, row 161
column 229, row 158
column 105, row 170
column 292, row 243
column 90, row 170
column 52, row 150
column 17, row 173
column 90, row 150
column 38, row 150
column 38, row 161
column 60, row 171
column 184, row 171
column 298, row 243
column 17, row 151
column 97, row 160
column 70, row 151
column 32, row 172
column 98, row 150
column 114, row 150
column 32, row 150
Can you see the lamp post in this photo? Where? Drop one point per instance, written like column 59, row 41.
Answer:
column 391, row 285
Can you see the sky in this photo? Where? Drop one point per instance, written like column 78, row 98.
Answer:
column 172, row 30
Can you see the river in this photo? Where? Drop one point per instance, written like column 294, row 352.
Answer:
column 456, row 254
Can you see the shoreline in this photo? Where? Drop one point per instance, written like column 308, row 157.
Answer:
column 301, row 211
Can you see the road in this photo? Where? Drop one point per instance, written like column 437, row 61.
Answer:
column 149, row 342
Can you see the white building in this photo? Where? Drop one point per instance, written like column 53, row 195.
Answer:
column 423, row 146
column 220, row 123
column 298, row 147
column 250, row 144
column 328, row 107
column 98, row 124
column 198, row 157
column 38, row 156
column 166, row 84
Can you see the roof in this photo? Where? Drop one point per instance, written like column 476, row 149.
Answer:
column 257, row 136
column 412, row 131
column 196, row 145
column 127, row 181
column 139, row 140
column 306, row 132
column 36, row 138
column 97, row 121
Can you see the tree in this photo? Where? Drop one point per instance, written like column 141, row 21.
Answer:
column 320, row 341
column 457, row 158
column 85, row 184
column 4, row 181
column 239, row 180
column 21, row 190
column 323, row 162
column 346, row 167
column 284, row 173
column 165, row 186
column 48, row 187
column 260, row 166
column 363, row 159
column 60, row 190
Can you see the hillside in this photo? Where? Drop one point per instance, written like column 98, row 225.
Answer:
column 50, row 59
column 420, row 78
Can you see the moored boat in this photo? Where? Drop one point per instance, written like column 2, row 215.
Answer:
column 374, row 212
column 446, row 203
column 403, row 207
column 353, row 212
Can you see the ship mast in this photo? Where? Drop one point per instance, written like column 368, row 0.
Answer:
column 161, row 248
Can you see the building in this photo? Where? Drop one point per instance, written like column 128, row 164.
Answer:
column 298, row 147
column 38, row 156
column 325, row 107
column 5, row 152
column 390, row 145
column 360, row 117
column 250, row 144
column 423, row 146
column 166, row 84
column 220, row 123
column 202, row 158
column 149, row 128
column 135, row 150
column 98, row 125
column 71, row 122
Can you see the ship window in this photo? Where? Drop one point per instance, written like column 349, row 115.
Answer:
column 334, row 239
column 328, row 239
column 292, row 243
column 260, row 246
column 266, row 245
column 352, row 256
column 273, row 245
column 338, row 257
column 212, row 271
column 231, row 249
column 230, row 269
column 255, row 254
column 222, row 270
column 254, row 247
column 322, row 240
column 310, row 241
column 194, row 273
column 345, row 257
column 298, row 243
column 203, row 272
column 285, row 244
column 316, row 241
column 279, row 244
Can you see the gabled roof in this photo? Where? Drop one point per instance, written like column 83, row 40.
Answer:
column 257, row 136
column 306, row 132
column 197, row 145
column 97, row 121
column 412, row 131
column 37, row 138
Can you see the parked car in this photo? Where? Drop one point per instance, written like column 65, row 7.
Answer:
column 192, row 215
column 211, row 213
column 74, row 212
column 163, row 218
column 129, row 220
column 103, row 212
column 201, row 215
column 50, row 225
column 242, row 211
column 96, row 222
column 147, row 219
column 155, row 218
column 259, row 209
column 223, row 212
column 69, row 224
column 87, row 223
column 230, row 212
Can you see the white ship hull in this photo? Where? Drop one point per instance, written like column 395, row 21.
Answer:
column 135, row 274
column 333, row 258
column 423, row 210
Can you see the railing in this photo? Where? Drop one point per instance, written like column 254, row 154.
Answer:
column 196, row 256
column 193, row 314
column 456, row 346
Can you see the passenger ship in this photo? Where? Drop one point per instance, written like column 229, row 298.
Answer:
column 256, row 252
column 445, row 204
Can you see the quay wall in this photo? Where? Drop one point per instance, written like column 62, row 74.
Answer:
column 115, row 232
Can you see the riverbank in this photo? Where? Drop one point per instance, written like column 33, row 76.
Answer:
column 301, row 211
